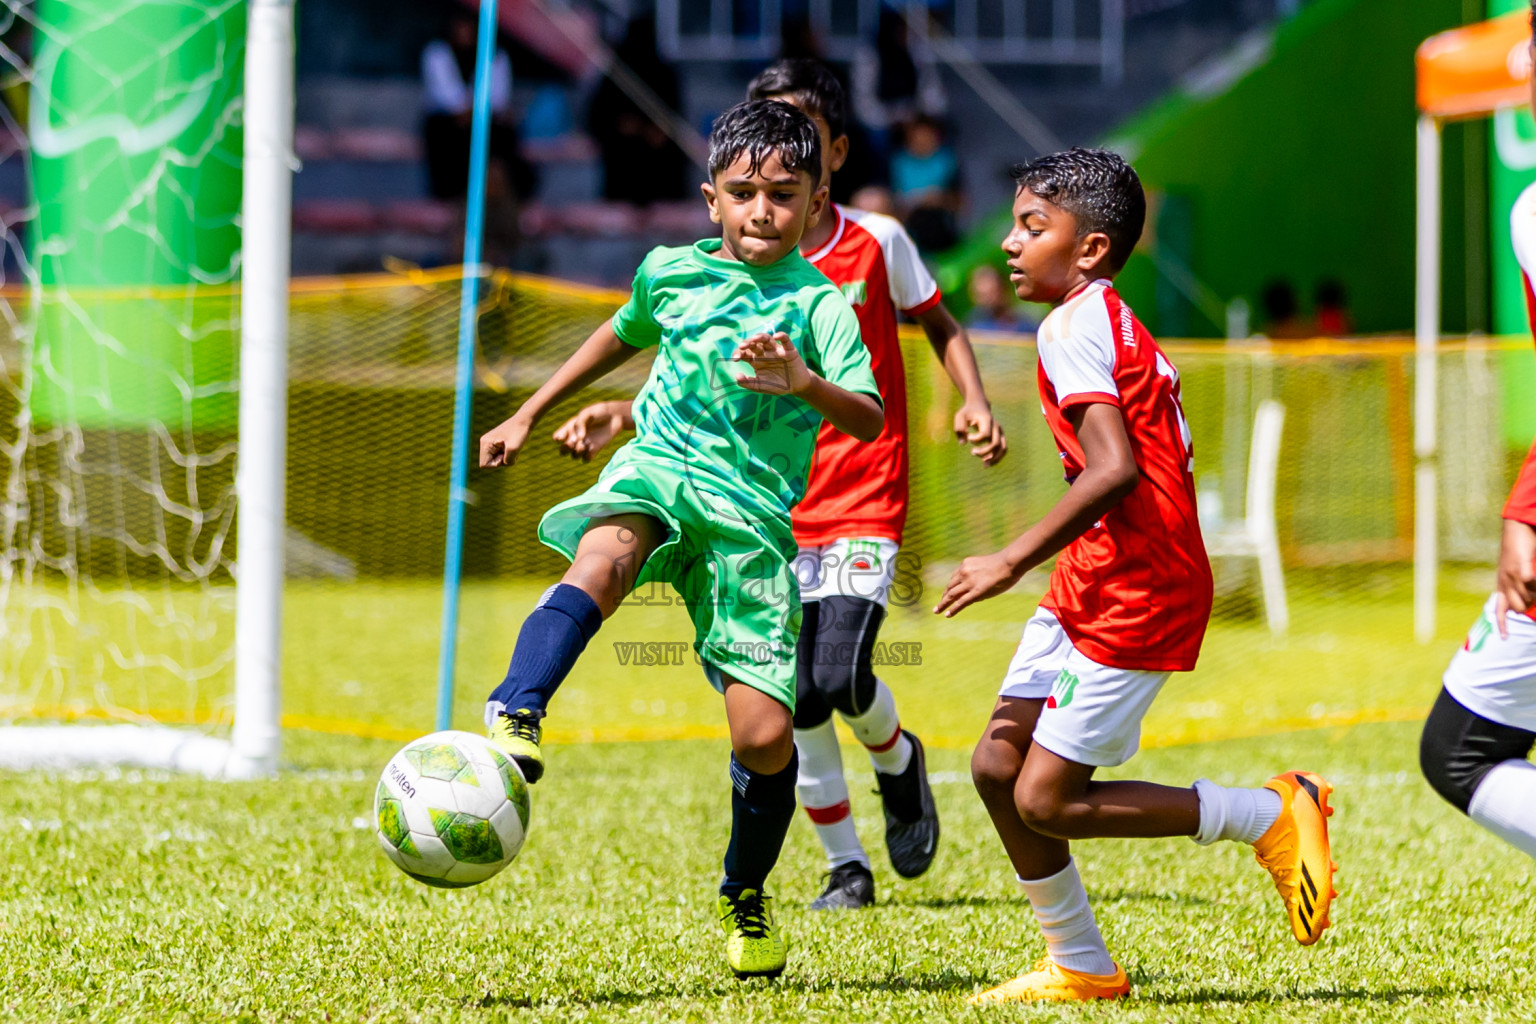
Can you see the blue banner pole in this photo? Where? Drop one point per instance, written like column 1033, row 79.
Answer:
column 464, row 382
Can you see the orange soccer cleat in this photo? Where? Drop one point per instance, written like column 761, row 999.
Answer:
column 1049, row 982
column 1296, row 853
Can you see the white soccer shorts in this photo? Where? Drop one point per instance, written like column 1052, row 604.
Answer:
column 1092, row 712
column 1494, row 677
column 848, row 567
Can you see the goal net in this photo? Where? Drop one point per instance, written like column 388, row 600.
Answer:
column 127, row 637
column 120, row 168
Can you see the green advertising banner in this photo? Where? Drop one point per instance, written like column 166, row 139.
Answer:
column 135, row 129
column 1511, row 167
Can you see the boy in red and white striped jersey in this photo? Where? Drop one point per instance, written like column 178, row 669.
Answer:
column 1477, row 742
column 1128, row 603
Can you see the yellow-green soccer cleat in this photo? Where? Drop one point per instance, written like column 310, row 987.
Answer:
column 754, row 945
column 517, row 733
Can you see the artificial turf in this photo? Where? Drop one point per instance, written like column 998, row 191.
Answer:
column 137, row 897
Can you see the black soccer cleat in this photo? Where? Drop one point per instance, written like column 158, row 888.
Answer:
column 911, row 820
column 849, row 887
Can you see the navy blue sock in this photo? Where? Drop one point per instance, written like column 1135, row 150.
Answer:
column 551, row 640
column 762, row 806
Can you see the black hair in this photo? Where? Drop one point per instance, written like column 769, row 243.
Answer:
column 759, row 129
column 814, row 87
column 1098, row 188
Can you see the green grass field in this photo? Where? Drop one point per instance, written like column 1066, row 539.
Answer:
column 143, row 897
column 365, row 658
column 361, row 659
column 152, row 898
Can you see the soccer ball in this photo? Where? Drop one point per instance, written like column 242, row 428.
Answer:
column 452, row 809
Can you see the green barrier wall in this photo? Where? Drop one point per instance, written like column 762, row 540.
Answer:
column 1511, row 167
column 1295, row 160
column 136, row 177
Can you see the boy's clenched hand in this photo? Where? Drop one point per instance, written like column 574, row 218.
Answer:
column 500, row 445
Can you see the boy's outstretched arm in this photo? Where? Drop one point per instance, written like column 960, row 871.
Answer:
column 973, row 422
column 600, row 354
column 1110, row 475
column 780, row 370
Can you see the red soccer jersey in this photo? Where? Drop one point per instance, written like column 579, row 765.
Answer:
column 859, row 489
column 1522, row 232
column 1134, row 591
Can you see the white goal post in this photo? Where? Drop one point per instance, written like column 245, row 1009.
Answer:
column 265, row 227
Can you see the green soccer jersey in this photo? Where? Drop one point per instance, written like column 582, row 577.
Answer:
column 752, row 449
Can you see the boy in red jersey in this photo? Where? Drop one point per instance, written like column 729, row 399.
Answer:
column 849, row 523
column 1128, row 604
column 1478, row 738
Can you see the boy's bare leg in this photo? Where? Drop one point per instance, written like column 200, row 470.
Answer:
column 607, row 563
column 996, row 766
column 609, row 557
column 1057, row 797
column 1053, row 797
column 1042, row 863
column 762, row 729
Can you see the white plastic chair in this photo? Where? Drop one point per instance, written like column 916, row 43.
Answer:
column 1257, row 535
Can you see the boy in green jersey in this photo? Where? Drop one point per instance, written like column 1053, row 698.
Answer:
column 701, row 497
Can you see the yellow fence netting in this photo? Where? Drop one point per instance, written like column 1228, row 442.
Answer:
column 118, row 574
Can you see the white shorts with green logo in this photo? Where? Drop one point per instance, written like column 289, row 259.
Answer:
column 1092, row 712
column 848, row 567
column 1496, row 677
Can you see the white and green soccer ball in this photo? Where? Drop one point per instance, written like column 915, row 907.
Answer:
column 451, row 809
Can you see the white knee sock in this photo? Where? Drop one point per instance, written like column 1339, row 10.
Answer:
column 1242, row 815
column 1071, row 936
column 824, row 794
column 1505, row 804
column 879, row 729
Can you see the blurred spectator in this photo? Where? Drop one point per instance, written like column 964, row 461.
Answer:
column 864, row 166
column 925, row 180
column 894, row 81
column 994, row 307
column 1281, row 317
column 1330, row 310
column 875, row 199
column 641, row 164
column 447, row 78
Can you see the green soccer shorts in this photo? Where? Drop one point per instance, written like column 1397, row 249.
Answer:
column 731, row 568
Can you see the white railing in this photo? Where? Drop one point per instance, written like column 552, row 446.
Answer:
column 1038, row 32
